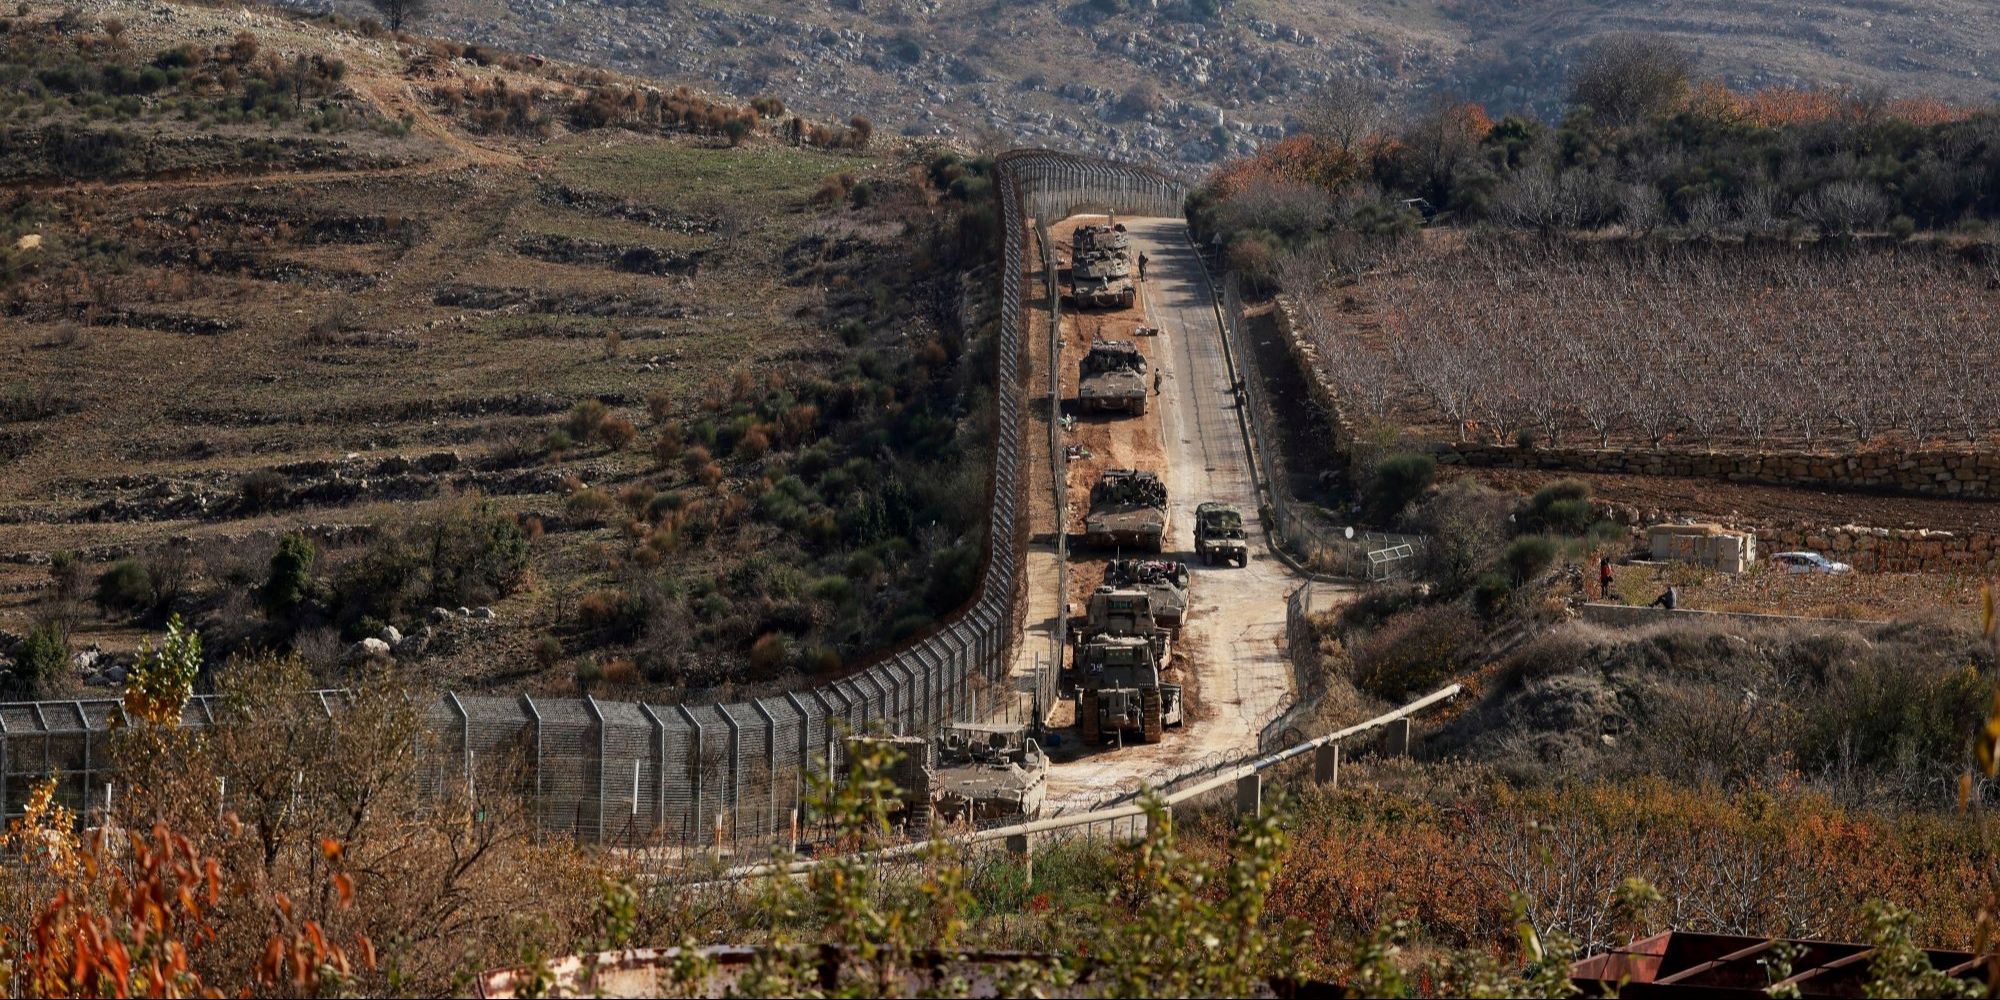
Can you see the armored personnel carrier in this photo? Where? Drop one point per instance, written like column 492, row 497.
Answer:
column 1218, row 534
column 1128, row 509
column 910, row 772
column 1120, row 694
column 1164, row 581
column 1112, row 377
column 1100, row 267
column 987, row 773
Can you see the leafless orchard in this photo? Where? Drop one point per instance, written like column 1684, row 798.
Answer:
column 1699, row 346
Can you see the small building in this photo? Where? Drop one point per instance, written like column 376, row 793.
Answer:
column 1710, row 545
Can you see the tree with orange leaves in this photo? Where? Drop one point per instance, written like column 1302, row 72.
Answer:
column 135, row 922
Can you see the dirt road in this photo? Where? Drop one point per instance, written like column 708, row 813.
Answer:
column 1231, row 654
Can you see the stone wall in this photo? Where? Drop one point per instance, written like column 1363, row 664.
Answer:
column 1891, row 550
column 1948, row 473
column 1964, row 474
column 1628, row 616
column 1972, row 475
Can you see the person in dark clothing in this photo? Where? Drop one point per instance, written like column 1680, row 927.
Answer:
column 1604, row 578
column 1142, row 266
column 1667, row 600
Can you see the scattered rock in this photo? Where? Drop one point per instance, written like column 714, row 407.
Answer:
column 367, row 649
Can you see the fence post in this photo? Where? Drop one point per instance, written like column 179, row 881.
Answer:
column 465, row 736
column 1250, row 794
column 1396, row 743
column 597, row 720
column 770, row 766
column 734, row 790
column 694, row 767
column 805, row 731
column 1022, row 846
column 1326, row 765
column 659, row 767
column 535, row 719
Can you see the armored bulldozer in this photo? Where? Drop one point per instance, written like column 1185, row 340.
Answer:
column 987, row 773
column 1119, row 692
column 1112, row 377
column 1219, row 536
column 1100, row 268
column 1164, row 581
column 1123, row 611
column 1128, row 509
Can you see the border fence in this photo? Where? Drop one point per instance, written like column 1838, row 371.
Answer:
column 635, row 774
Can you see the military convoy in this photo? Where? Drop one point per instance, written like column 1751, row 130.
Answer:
column 1112, row 378
column 1100, row 267
column 1218, row 535
column 1128, row 509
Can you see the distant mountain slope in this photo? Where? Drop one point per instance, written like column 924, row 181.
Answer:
column 1152, row 78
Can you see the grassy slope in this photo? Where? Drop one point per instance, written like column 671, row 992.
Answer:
column 345, row 356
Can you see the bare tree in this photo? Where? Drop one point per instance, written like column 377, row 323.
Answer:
column 1344, row 112
column 1626, row 79
column 1844, row 207
column 401, row 12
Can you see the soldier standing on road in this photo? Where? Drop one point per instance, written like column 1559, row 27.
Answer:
column 1142, row 265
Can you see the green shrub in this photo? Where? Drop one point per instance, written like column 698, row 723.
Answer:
column 1491, row 593
column 126, row 586
column 290, row 582
column 43, row 660
column 1412, row 652
column 1527, row 556
column 1398, row 480
column 584, row 418
column 468, row 553
column 1562, row 506
column 590, row 505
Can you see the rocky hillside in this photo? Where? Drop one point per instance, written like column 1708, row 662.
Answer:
column 1188, row 81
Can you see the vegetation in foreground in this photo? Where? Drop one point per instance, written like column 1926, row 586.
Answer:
column 265, row 855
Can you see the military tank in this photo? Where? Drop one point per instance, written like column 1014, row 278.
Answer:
column 1100, row 267
column 1112, row 378
column 1120, row 693
column 988, row 773
column 1128, row 509
column 1164, row 581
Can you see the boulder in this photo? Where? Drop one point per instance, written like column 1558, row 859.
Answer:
column 367, row 649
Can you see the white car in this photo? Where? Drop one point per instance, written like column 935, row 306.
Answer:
column 1808, row 562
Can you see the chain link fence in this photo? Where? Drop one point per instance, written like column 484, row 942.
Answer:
column 1318, row 545
column 725, row 776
